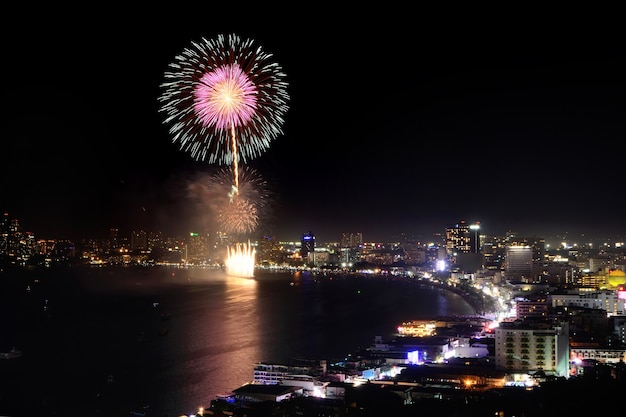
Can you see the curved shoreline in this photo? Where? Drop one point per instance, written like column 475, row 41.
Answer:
column 472, row 299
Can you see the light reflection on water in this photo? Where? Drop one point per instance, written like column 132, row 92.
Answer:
column 219, row 324
column 218, row 328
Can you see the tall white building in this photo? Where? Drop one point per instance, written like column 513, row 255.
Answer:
column 525, row 347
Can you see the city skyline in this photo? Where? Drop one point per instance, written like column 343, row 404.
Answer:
column 387, row 133
column 554, row 242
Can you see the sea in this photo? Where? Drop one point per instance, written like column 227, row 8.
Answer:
column 165, row 341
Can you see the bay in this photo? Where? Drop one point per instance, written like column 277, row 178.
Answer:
column 103, row 341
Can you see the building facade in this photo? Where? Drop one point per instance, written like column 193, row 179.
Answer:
column 523, row 347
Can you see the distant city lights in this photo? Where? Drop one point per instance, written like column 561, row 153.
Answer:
column 441, row 265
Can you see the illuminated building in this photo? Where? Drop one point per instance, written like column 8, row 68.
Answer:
column 606, row 300
column 579, row 354
column 351, row 244
column 519, row 262
column 5, row 226
column 138, row 240
column 114, row 238
column 419, row 328
column 351, row 240
column 270, row 374
column 523, row 257
column 463, row 246
column 16, row 246
column 535, row 306
column 307, row 248
column 458, row 238
column 524, row 347
column 197, row 249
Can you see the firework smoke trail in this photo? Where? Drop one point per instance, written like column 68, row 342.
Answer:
column 235, row 163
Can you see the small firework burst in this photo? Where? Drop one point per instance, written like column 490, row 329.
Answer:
column 239, row 216
column 224, row 100
column 236, row 209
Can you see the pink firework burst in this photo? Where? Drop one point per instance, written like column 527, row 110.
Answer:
column 225, row 98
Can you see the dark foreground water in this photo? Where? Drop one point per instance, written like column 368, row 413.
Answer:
column 107, row 341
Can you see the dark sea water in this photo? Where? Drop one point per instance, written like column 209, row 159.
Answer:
column 107, row 341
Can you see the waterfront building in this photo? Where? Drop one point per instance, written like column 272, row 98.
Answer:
column 269, row 374
column 523, row 347
column 411, row 349
column 307, row 248
column 418, row 328
column 310, row 385
column 255, row 394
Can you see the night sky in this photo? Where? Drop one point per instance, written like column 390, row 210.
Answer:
column 403, row 124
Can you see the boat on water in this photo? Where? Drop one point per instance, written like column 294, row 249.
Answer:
column 11, row 354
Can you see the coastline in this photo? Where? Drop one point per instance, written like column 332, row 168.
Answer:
column 205, row 332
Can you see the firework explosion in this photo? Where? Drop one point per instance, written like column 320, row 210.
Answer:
column 240, row 260
column 242, row 217
column 224, row 100
column 237, row 212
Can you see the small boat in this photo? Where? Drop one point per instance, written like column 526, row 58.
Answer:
column 11, row 354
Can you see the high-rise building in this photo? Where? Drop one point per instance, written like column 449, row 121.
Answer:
column 308, row 245
column 197, row 248
column 463, row 238
column 519, row 263
column 4, row 234
column 113, row 238
column 463, row 246
column 139, row 240
column 351, row 240
column 522, row 347
column 522, row 255
column 351, row 244
column 13, row 242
